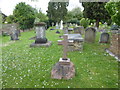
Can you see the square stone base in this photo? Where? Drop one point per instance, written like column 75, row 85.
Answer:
column 63, row 70
column 42, row 44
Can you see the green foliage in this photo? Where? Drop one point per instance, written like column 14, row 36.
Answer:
column 95, row 10
column 24, row 15
column 10, row 19
column 74, row 15
column 41, row 16
column 57, row 11
column 114, row 10
column 84, row 22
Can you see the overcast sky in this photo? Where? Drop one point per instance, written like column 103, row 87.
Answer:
column 7, row 6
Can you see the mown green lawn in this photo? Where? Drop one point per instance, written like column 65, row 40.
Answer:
column 25, row 67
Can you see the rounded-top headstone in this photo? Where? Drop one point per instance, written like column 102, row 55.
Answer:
column 91, row 29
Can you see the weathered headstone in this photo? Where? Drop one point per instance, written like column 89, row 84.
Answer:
column 90, row 34
column 104, row 38
column 64, row 69
column 14, row 34
column 79, row 29
column 41, row 39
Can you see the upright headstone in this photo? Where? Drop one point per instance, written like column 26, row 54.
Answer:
column 14, row 34
column 64, row 69
column 79, row 30
column 90, row 34
column 104, row 38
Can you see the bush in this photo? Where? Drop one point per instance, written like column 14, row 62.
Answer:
column 84, row 22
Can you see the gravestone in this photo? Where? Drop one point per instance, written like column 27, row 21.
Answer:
column 64, row 69
column 90, row 35
column 104, row 38
column 79, row 29
column 41, row 39
column 14, row 33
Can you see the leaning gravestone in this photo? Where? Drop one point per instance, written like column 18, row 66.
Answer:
column 104, row 38
column 90, row 35
column 64, row 69
column 41, row 39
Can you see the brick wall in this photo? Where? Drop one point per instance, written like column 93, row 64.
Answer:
column 115, row 44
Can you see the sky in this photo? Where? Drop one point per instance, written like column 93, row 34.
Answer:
column 7, row 6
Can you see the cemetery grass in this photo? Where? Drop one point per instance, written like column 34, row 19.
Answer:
column 25, row 67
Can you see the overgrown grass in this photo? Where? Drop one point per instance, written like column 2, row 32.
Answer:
column 25, row 67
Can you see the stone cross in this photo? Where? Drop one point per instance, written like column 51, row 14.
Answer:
column 65, row 44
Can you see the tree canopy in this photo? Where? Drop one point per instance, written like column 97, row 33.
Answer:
column 24, row 15
column 114, row 10
column 95, row 10
column 74, row 15
column 57, row 10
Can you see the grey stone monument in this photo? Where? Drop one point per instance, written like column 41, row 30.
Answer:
column 41, row 39
column 64, row 69
column 90, row 34
column 104, row 38
column 14, row 33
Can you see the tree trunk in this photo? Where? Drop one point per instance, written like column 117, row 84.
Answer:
column 97, row 23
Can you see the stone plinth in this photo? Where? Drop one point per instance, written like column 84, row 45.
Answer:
column 41, row 44
column 64, row 69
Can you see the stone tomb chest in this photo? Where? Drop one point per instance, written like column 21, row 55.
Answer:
column 75, row 42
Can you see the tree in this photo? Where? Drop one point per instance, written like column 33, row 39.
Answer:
column 95, row 10
column 10, row 19
column 24, row 15
column 57, row 11
column 74, row 16
column 84, row 22
column 114, row 10
column 41, row 16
